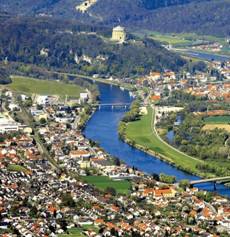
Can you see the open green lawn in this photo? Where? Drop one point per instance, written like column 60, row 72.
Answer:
column 103, row 182
column 29, row 85
column 74, row 232
column 141, row 133
column 184, row 38
column 78, row 232
column 170, row 39
column 217, row 119
column 17, row 168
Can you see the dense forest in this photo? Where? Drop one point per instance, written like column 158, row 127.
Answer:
column 54, row 5
column 201, row 16
column 154, row 4
column 65, row 45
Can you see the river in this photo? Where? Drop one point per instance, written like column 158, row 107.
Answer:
column 102, row 127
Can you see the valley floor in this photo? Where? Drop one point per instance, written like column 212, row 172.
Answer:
column 143, row 134
column 31, row 86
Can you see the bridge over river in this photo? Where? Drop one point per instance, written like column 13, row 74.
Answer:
column 112, row 105
column 214, row 180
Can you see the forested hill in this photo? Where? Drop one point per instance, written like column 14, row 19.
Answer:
column 209, row 17
column 200, row 16
column 26, row 6
column 154, row 4
column 80, row 48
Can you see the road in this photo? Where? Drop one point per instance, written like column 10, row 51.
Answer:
column 153, row 125
column 28, row 120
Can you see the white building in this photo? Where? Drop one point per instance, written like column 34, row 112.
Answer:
column 42, row 99
column 14, row 107
column 7, row 124
column 119, row 34
column 84, row 97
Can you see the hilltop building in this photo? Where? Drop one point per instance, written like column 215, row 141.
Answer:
column 85, row 5
column 119, row 34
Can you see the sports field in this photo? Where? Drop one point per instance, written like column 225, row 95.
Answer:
column 103, row 182
column 29, row 85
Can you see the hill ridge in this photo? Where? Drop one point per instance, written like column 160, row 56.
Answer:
column 178, row 16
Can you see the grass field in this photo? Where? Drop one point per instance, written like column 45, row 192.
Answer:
column 217, row 120
column 142, row 134
column 184, row 38
column 78, row 232
column 103, row 182
column 74, row 232
column 29, row 85
column 17, row 168
column 170, row 39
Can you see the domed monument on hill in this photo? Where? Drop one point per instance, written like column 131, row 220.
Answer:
column 119, row 34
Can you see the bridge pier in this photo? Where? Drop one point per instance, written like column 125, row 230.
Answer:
column 214, row 186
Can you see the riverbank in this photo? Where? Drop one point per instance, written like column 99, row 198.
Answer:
column 141, row 135
column 125, row 86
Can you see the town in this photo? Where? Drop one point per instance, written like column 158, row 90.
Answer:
column 48, row 188
column 114, row 118
column 213, row 83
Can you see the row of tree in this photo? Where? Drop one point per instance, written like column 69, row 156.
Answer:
column 4, row 76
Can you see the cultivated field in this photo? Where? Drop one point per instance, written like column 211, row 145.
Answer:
column 219, row 126
column 29, row 85
column 217, row 120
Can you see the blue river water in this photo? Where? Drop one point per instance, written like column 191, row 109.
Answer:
column 102, row 127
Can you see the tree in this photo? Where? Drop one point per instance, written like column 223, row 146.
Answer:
column 42, row 121
column 67, row 200
column 184, row 183
column 206, row 196
column 4, row 76
column 167, row 178
column 117, row 161
column 2, row 139
column 156, row 176
column 191, row 220
column 111, row 191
